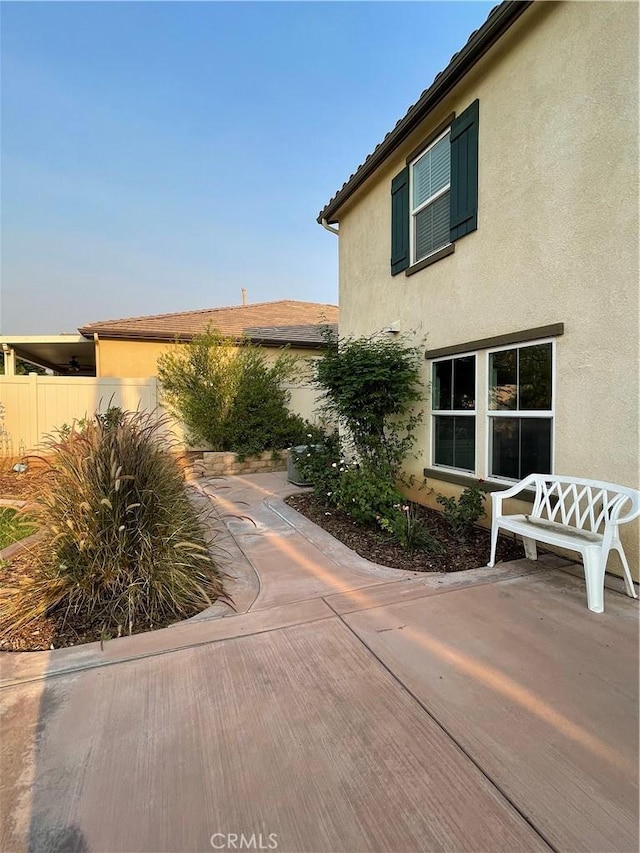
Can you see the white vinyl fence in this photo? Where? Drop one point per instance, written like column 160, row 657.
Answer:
column 33, row 406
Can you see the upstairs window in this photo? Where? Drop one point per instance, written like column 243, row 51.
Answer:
column 430, row 185
column 434, row 199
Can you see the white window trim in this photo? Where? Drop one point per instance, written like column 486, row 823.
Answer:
column 413, row 211
column 549, row 414
column 452, row 412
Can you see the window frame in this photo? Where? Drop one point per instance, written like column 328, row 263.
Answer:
column 414, row 211
column 548, row 414
column 453, row 413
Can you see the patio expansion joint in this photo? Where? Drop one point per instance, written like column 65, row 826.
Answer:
column 72, row 670
column 425, row 709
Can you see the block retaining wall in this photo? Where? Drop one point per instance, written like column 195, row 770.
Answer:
column 209, row 463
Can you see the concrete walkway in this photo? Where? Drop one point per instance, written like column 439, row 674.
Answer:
column 343, row 707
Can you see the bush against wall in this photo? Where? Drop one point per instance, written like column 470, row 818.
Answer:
column 369, row 386
column 230, row 397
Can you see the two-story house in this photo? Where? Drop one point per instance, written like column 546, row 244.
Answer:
column 499, row 220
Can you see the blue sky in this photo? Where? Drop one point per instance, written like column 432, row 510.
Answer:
column 159, row 157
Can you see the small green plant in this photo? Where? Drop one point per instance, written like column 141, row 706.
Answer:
column 109, row 418
column 406, row 527
column 463, row 513
column 63, row 432
column 121, row 543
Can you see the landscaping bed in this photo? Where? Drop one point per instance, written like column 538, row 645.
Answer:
column 58, row 629
column 18, row 485
column 381, row 548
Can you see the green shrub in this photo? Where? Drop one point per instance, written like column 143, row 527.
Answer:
column 366, row 494
column 320, row 464
column 230, row 397
column 122, row 546
column 463, row 513
column 369, row 386
column 258, row 417
column 199, row 382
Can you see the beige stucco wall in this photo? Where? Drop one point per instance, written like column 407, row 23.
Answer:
column 129, row 358
column 557, row 237
column 122, row 358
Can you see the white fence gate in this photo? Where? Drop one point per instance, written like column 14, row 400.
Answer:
column 33, row 406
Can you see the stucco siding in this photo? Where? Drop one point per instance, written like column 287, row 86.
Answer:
column 126, row 358
column 557, row 237
column 129, row 358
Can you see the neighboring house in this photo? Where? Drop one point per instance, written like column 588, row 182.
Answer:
column 131, row 347
column 499, row 218
column 116, row 360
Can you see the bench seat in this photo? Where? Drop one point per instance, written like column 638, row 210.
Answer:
column 576, row 514
column 551, row 532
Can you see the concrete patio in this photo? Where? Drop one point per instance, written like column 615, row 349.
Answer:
column 343, row 707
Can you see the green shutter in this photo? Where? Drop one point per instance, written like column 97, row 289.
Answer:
column 400, row 222
column 464, row 173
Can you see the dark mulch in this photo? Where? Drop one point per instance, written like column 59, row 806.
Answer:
column 380, row 548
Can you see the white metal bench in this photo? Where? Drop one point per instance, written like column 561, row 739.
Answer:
column 574, row 513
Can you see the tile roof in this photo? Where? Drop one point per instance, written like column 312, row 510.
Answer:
column 274, row 323
column 497, row 23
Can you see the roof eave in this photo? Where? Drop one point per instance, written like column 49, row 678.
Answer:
column 185, row 337
column 478, row 44
column 127, row 334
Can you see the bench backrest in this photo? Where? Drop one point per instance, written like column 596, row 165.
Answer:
column 585, row 504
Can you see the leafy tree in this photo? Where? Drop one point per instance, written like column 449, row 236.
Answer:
column 369, row 385
column 229, row 396
column 23, row 368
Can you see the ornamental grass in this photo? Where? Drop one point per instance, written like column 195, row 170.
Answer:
column 120, row 544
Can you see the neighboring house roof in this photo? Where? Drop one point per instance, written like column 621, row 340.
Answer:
column 500, row 19
column 286, row 321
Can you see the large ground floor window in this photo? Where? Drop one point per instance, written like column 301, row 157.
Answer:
column 502, row 398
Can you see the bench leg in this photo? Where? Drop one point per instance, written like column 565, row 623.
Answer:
column 594, row 578
column 530, row 550
column 494, row 543
column 628, row 582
